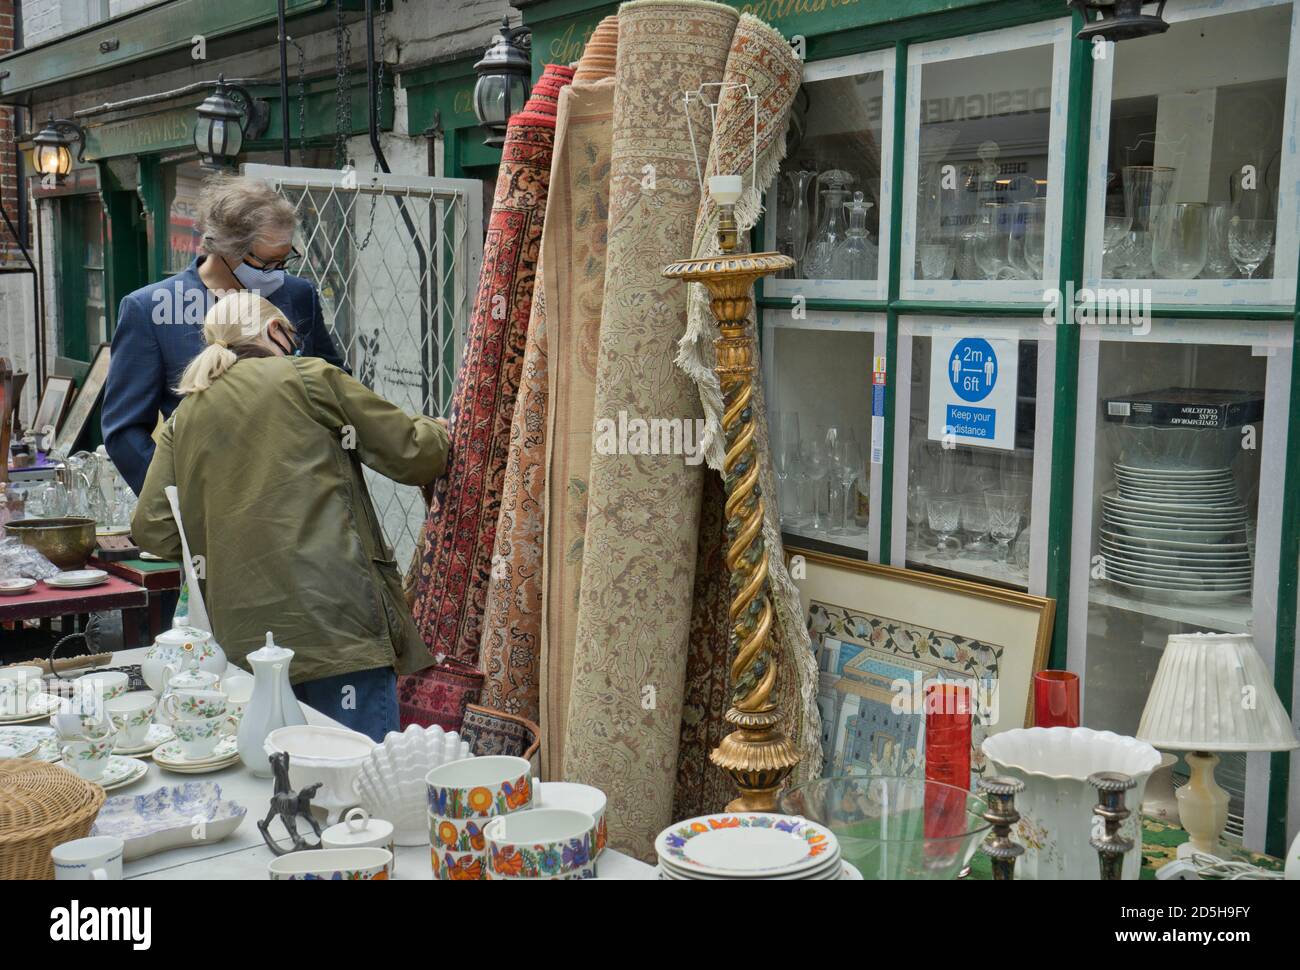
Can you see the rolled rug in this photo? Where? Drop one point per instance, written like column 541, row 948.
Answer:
column 577, row 225
column 639, row 552
column 761, row 59
column 460, row 530
column 512, row 628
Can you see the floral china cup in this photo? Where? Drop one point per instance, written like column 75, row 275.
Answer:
column 581, row 798
column 194, row 705
column 186, row 680
column 348, row 865
column 131, row 715
column 545, row 843
column 88, row 757
column 17, row 686
column 199, row 738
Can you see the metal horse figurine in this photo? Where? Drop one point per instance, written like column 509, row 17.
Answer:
column 288, row 805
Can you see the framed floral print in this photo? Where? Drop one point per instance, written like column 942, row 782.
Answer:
column 884, row 636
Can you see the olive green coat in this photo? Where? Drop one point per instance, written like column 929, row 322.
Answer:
column 267, row 462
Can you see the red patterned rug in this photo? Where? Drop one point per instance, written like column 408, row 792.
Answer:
column 452, row 573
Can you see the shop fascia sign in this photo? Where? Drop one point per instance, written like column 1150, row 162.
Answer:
column 142, row 135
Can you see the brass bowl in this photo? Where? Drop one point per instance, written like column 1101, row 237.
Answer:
column 67, row 543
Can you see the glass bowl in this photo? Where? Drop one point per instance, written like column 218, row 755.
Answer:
column 895, row 828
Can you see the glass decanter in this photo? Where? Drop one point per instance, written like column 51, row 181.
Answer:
column 832, row 230
column 856, row 257
column 794, row 229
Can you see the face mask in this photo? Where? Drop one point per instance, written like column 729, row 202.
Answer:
column 263, row 281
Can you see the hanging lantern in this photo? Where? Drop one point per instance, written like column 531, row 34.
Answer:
column 1119, row 19
column 52, row 148
column 228, row 115
column 504, row 76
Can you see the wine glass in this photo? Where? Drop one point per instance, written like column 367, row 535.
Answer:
column 1249, row 243
column 785, row 455
column 918, row 500
column 975, row 521
column 944, row 514
column 1003, row 520
column 1179, row 240
column 848, row 466
column 817, row 462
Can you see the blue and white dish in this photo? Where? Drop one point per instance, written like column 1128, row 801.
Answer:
column 193, row 813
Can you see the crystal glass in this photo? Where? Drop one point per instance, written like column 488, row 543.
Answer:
column 894, row 828
column 833, row 229
column 1003, row 519
column 795, row 225
column 1035, row 239
column 918, row 498
column 991, row 241
column 1146, row 187
column 848, row 465
column 1179, row 240
column 1249, row 243
column 856, row 257
column 936, row 261
column 785, row 455
column 944, row 514
column 817, row 461
column 54, row 500
column 1218, row 261
column 975, row 521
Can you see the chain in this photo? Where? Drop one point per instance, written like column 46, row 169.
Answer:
column 302, row 101
column 342, row 94
column 376, row 108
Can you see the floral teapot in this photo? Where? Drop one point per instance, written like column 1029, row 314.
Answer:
column 181, row 648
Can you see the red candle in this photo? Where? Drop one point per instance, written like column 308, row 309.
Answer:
column 948, row 715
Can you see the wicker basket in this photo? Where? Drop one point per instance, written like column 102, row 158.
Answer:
column 41, row 806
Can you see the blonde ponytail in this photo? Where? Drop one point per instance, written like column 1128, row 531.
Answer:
column 237, row 321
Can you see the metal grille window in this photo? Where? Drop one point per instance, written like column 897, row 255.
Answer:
column 396, row 261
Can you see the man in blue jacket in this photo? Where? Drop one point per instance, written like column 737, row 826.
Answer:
column 247, row 237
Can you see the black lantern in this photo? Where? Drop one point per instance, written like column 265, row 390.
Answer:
column 52, row 148
column 504, row 80
column 228, row 115
column 1119, row 19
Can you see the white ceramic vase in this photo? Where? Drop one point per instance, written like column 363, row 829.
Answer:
column 1056, row 807
column 271, row 706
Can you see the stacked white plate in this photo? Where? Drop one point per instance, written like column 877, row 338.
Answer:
column 1176, row 534
column 749, row 846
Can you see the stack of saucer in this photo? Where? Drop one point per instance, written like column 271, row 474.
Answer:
column 749, row 846
column 171, row 756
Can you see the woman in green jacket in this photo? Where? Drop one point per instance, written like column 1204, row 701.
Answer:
column 266, row 451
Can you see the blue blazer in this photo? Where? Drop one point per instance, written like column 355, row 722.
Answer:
column 151, row 348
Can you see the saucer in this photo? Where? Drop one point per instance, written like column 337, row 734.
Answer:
column 77, row 579
column 37, row 708
column 158, row 733
column 16, row 587
column 24, row 740
column 119, row 772
column 171, row 756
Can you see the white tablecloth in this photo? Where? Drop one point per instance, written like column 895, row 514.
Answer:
column 244, row 855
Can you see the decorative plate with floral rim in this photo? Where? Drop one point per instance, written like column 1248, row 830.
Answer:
column 120, row 772
column 746, row 845
column 25, row 740
column 35, row 708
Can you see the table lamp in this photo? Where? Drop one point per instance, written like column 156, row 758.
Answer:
column 1212, row 693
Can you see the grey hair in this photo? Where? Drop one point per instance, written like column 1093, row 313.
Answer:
column 235, row 213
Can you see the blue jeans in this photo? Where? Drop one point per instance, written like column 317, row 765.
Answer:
column 364, row 700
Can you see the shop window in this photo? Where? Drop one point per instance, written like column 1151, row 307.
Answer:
column 181, row 186
column 972, row 447
column 830, row 209
column 820, row 404
column 1193, row 137
column 1178, row 496
column 82, row 316
column 984, row 160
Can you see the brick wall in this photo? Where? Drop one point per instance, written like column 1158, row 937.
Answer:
column 9, row 252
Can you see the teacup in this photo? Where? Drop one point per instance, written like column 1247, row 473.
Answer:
column 131, row 715
column 17, row 686
column 545, row 843
column 105, row 686
column 99, row 857
column 194, row 705
column 479, row 787
column 580, row 798
column 88, row 757
column 343, row 864
column 199, row 738
column 73, row 725
column 239, row 691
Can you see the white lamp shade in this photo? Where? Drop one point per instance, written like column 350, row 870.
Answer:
column 1212, row 692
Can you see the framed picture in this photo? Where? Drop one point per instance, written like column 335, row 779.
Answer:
column 55, row 398
column 84, row 405
column 884, row 636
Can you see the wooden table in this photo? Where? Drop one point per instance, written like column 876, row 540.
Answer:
column 161, row 579
column 45, row 602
